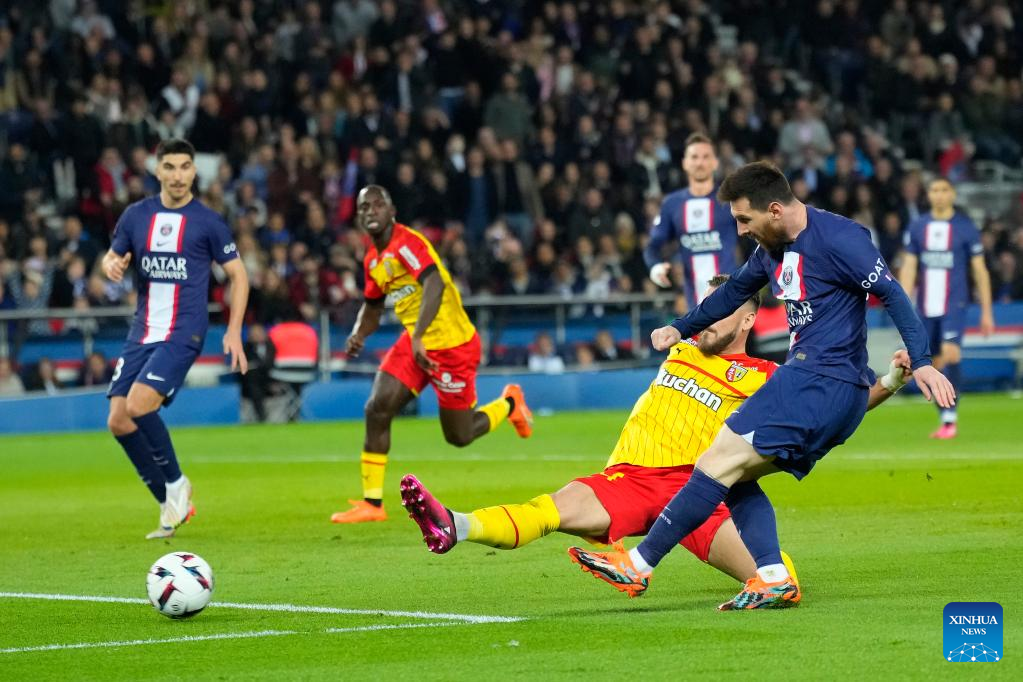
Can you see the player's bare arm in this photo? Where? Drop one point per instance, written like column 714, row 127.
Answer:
column 239, row 301
column 982, row 285
column 115, row 265
column 907, row 273
column 433, row 293
column 367, row 322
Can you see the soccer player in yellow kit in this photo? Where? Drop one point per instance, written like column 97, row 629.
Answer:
column 698, row 385
column 439, row 346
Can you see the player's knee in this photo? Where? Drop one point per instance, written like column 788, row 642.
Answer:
column 136, row 408
column 119, row 423
column 458, row 438
column 376, row 410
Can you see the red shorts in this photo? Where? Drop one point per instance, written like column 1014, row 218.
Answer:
column 454, row 381
column 633, row 497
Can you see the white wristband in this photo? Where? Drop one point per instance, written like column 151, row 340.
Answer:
column 893, row 381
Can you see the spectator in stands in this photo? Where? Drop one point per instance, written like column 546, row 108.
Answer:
column 606, row 350
column 256, row 382
column 96, row 371
column 43, row 377
column 585, row 359
column 543, row 356
column 10, row 382
column 805, row 134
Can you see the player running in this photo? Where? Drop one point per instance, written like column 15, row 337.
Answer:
column 439, row 346
column 172, row 239
column 941, row 246
column 823, row 266
column 676, row 418
column 703, row 226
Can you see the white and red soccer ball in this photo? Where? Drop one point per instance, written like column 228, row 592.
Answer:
column 180, row 584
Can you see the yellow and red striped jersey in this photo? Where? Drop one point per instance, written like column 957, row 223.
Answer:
column 395, row 273
column 677, row 418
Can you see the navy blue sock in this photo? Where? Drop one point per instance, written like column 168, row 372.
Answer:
column 690, row 507
column 754, row 519
column 163, row 450
column 954, row 374
column 137, row 447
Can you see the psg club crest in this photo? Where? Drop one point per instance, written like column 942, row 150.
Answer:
column 165, row 230
column 698, row 213
column 735, row 372
column 786, row 275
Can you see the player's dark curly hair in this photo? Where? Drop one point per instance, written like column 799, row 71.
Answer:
column 718, row 280
column 761, row 182
column 174, row 145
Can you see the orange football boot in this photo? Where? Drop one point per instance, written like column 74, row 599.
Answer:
column 521, row 417
column 361, row 512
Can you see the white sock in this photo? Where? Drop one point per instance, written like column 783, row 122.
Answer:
column 175, row 484
column 772, row 573
column 949, row 417
column 461, row 526
column 638, row 561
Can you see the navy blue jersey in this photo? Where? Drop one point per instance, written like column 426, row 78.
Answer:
column 944, row 249
column 823, row 277
column 706, row 234
column 172, row 250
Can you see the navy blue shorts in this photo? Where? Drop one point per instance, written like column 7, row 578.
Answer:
column 798, row 416
column 162, row 366
column 946, row 329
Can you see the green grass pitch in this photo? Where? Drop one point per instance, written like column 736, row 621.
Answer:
column 887, row 530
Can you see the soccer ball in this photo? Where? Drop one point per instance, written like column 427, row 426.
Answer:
column 180, row 584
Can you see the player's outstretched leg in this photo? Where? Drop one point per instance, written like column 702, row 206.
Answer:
column 507, row 526
column 615, row 568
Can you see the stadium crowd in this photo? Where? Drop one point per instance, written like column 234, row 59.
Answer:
column 531, row 141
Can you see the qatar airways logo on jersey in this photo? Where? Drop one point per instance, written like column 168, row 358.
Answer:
column 699, row 242
column 689, row 388
column 798, row 312
column 940, row 260
column 165, row 267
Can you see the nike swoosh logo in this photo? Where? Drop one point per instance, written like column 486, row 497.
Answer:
column 153, row 377
column 159, row 244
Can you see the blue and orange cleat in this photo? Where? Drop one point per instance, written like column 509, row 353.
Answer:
column 433, row 518
column 946, row 432
column 615, row 568
column 521, row 417
column 758, row 594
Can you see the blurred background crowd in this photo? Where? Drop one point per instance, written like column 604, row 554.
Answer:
column 532, row 141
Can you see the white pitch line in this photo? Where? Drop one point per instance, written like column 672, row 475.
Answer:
column 226, row 635
column 143, row 642
column 288, row 608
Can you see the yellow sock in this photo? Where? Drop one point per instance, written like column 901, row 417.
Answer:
column 513, row 525
column 496, row 411
column 373, row 465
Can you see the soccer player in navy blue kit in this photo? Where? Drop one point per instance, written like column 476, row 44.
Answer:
column 942, row 247
column 172, row 239
column 703, row 227
column 822, row 266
